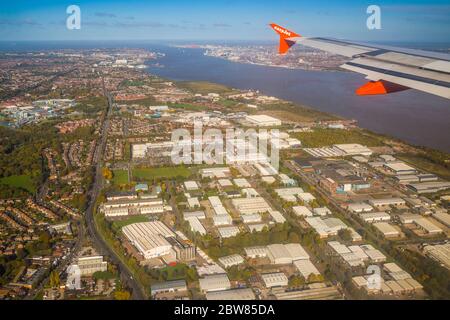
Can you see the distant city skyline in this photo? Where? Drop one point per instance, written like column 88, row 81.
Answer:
column 414, row 20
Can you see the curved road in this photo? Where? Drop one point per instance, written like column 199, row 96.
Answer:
column 138, row 292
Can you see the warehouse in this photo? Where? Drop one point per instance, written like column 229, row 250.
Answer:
column 251, row 218
column 443, row 218
column 326, row 227
column 265, row 169
column 387, row 230
column 277, row 279
column 429, row 187
column 233, row 294
column 296, row 251
column 242, row 183
column 149, row 238
column 193, row 203
column 263, row 121
column 399, row 168
column 284, row 254
column 197, row 214
column 222, row 172
column 256, row 227
column 289, row 194
column 427, row 226
column 256, row 252
column 191, row 185
column 374, row 254
column 277, row 216
column 353, row 149
column 278, row 254
column 302, row 211
column 306, row 197
column 251, row 205
column 217, row 206
column 359, row 207
column 250, row 193
column 440, row 253
column 225, row 183
column 306, row 268
column 216, row 282
column 323, row 211
column 396, row 202
column 124, row 207
column 222, row 220
column 168, row 287
column 232, row 260
column 196, row 225
column 228, row 232
column 372, row 217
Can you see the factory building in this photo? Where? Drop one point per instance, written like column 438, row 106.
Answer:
column 388, row 230
column 216, row 282
column 359, row 207
column 154, row 239
column 228, row 232
column 429, row 187
column 277, row 279
column 302, row 211
column 306, row 268
column 386, row 202
column 169, row 287
column 289, row 194
column 90, row 265
column 125, row 207
column 251, row 205
column 196, row 225
column 326, row 227
column 233, row 294
column 222, row 220
column 251, row 218
column 232, row 260
column 286, row 253
column 256, row 252
column 399, row 168
column 277, row 216
column 263, row 121
column 353, row 149
column 218, row 173
column 372, row 217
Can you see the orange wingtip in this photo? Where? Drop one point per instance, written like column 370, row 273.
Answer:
column 379, row 87
column 283, row 32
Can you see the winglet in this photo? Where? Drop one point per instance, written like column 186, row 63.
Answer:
column 286, row 38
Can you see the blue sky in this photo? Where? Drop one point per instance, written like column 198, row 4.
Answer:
column 402, row 20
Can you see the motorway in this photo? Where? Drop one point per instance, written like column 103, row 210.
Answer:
column 138, row 293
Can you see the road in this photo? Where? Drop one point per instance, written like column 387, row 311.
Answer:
column 99, row 243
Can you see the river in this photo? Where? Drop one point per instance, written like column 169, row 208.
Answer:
column 412, row 116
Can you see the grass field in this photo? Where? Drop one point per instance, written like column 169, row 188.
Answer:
column 24, row 182
column 120, row 177
column 117, row 225
column 164, row 172
column 204, row 87
column 328, row 137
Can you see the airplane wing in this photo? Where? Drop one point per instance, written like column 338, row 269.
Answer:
column 389, row 69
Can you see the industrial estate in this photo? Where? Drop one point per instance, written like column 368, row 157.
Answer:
column 93, row 206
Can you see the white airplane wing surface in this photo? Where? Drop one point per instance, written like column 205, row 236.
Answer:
column 389, row 69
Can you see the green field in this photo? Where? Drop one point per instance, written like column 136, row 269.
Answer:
column 164, row 172
column 117, row 225
column 120, row 177
column 23, row 181
column 328, row 137
column 204, row 87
